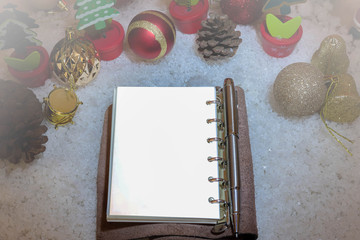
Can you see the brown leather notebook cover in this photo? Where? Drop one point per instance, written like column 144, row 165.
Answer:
column 120, row 230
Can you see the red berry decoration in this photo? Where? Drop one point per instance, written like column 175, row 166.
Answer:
column 242, row 11
column 151, row 35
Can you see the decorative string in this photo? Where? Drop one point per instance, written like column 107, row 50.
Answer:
column 63, row 5
column 323, row 112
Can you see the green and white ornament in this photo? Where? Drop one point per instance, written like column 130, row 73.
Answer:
column 94, row 13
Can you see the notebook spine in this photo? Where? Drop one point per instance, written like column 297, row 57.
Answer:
column 221, row 180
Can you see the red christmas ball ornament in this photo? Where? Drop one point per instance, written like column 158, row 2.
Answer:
column 151, row 35
column 242, row 11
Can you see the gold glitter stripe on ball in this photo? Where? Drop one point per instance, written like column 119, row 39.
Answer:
column 165, row 19
column 159, row 36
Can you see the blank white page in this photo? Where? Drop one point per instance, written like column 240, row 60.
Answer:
column 158, row 161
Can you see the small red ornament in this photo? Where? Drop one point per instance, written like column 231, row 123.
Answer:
column 110, row 46
column 242, row 11
column 38, row 76
column 188, row 19
column 277, row 47
column 151, row 35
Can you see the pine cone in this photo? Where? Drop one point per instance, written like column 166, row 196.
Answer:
column 21, row 135
column 217, row 39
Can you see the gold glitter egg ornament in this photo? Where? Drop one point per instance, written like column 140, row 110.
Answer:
column 299, row 89
column 74, row 60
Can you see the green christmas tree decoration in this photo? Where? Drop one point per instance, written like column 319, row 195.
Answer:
column 94, row 12
column 14, row 14
column 17, row 35
column 15, row 30
column 283, row 5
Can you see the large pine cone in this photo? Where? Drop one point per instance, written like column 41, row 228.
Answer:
column 217, row 39
column 21, row 132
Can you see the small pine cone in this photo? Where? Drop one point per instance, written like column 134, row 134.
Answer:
column 217, row 39
column 21, row 132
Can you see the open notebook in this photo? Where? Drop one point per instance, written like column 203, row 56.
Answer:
column 159, row 170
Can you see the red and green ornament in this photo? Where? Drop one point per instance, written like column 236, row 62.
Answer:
column 277, row 45
column 188, row 14
column 29, row 62
column 106, row 34
column 280, row 29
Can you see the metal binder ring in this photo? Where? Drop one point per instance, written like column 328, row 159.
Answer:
column 212, row 179
column 212, row 159
column 211, row 120
column 217, row 101
column 214, row 139
column 213, row 200
column 219, row 228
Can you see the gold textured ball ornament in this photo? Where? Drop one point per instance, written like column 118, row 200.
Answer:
column 299, row 89
column 74, row 60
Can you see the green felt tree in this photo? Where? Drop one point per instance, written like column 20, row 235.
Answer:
column 94, row 12
column 15, row 33
column 15, row 30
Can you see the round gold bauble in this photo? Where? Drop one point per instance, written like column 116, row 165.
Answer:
column 299, row 89
column 74, row 60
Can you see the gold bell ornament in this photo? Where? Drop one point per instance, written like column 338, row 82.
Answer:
column 342, row 103
column 331, row 57
column 74, row 60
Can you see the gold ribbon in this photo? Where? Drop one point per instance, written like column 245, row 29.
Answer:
column 323, row 112
column 159, row 36
column 163, row 17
